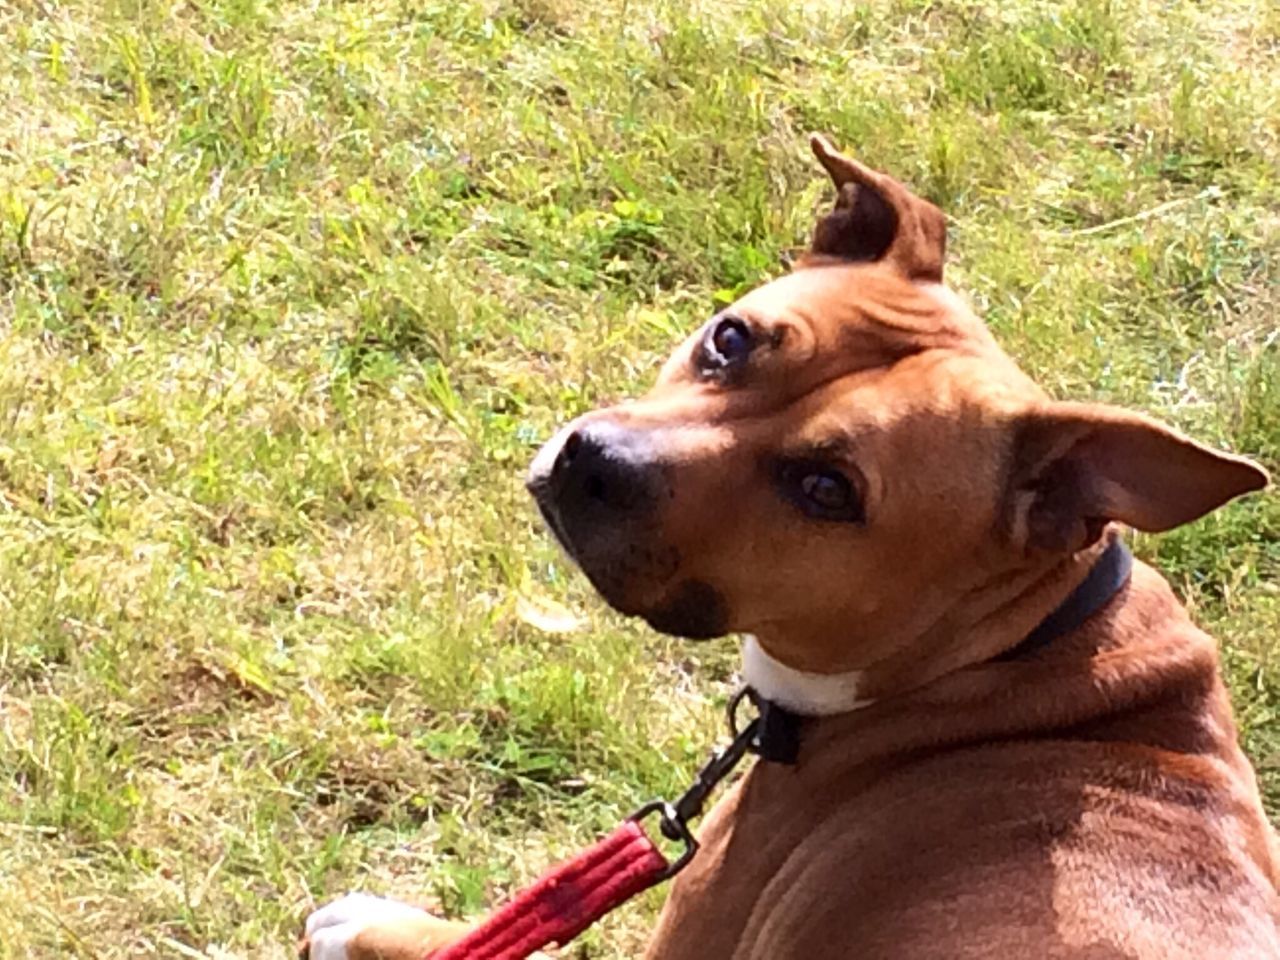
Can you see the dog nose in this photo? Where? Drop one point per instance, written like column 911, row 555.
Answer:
column 595, row 472
column 597, row 467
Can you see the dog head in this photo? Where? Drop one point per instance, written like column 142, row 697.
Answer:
column 845, row 464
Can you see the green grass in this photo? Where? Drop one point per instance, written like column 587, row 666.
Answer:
column 289, row 293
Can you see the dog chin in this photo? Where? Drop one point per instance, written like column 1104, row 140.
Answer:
column 694, row 610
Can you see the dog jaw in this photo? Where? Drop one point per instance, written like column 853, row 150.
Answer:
column 694, row 610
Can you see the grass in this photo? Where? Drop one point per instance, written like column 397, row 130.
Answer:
column 291, row 289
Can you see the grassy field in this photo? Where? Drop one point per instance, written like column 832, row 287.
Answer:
column 290, row 290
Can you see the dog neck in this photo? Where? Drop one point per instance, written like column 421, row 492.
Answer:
column 800, row 691
column 826, row 694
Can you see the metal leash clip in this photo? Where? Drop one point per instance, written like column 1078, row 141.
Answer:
column 674, row 817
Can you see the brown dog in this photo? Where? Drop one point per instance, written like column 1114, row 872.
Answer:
column 845, row 465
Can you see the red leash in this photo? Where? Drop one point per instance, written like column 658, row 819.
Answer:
column 567, row 900
column 576, row 894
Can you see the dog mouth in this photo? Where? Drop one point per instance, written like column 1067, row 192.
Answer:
column 552, row 519
column 602, row 491
column 585, row 552
column 623, row 567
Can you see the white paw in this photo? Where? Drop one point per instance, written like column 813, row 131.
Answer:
column 332, row 928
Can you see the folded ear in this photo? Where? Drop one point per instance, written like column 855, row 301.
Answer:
column 1077, row 467
column 877, row 218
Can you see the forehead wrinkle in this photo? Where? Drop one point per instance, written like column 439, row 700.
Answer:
column 867, row 293
column 839, row 321
column 881, row 314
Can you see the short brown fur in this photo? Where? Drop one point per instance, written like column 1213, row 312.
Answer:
column 1089, row 801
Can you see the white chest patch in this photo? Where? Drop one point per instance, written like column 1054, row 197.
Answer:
column 802, row 692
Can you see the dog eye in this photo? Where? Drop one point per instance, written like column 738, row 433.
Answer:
column 732, row 340
column 827, row 491
column 729, row 344
column 821, row 492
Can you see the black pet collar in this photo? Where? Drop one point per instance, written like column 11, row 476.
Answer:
column 777, row 729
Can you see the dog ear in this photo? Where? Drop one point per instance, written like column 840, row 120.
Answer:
column 877, row 218
column 1077, row 467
